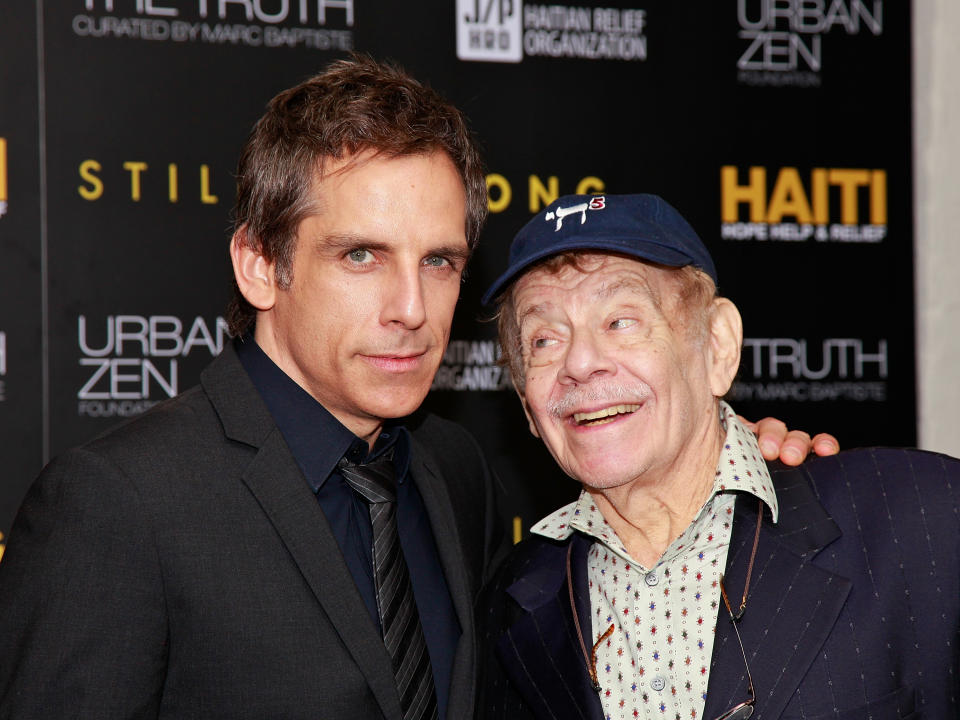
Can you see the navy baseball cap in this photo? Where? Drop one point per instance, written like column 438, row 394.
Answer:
column 642, row 226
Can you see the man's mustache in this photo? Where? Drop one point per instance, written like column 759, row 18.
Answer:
column 582, row 397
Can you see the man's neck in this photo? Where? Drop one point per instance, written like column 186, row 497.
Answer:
column 366, row 429
column 653, row 510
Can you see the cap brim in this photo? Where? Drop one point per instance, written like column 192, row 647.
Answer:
column 651, row 251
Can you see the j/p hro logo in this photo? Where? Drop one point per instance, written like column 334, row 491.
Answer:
column 508, row 30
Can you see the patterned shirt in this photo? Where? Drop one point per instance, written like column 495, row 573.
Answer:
column 656, row 662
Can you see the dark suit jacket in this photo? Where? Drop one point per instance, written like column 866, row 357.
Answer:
column 180, row 567
column 854, row 607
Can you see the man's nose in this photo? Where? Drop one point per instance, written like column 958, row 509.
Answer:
column 586, row 359
column 403, row 301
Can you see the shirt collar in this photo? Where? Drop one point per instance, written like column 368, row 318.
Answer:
column 740, row 468
column 741, row 465
column 316, row 438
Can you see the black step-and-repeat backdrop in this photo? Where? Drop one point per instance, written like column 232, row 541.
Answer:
column 780, row 128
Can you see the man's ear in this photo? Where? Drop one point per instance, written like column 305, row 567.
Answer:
column 725, row 339
column 254, row 274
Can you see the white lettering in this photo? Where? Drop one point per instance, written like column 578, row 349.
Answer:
column 809, row 391
column 112, row 379
column 483, row 352
column 157, row 335
column 810, row 16
column 770, row 50
column 123, row 408
column 137, row 332
column 840, row 358
column 85, row 346
column 471, row 377
column 152, row 336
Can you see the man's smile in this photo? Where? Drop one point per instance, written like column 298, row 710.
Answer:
column 604, row 415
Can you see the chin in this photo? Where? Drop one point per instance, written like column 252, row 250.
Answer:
column 604, row 483
column 400, row 403
column 605, row 475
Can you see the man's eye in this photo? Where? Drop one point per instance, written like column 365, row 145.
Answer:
column 621, row 323
column 360, row 255
column 436, row 261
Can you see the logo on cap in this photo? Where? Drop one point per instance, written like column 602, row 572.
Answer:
column 596, row 203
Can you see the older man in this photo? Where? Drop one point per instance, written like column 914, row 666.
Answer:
column 840, row 578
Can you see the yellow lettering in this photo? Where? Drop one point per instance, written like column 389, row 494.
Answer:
column 172, row 182
column 95, row 189
column 3, row 169
column 789, row 198
column 878, row 197
column 517, row 525
column 820, row 197
column 590, row 184
column 849, row 182
column 541, row 196
column 495, row 180
column 135, row 168
column 206, row 197
column 732, row 194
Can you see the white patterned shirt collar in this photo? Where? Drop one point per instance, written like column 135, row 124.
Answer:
column 740, row 468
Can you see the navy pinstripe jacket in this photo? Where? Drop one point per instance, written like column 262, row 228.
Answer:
column 854, row 608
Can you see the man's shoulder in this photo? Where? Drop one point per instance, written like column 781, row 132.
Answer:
column 185, row 430
column 180, row 427
column 537, row 559
column 876, row 492
column 224, row 394
column 184, row 420
column 869, row 465
column 449, row 444
column 433, row 430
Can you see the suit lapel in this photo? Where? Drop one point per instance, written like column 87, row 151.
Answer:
column 453, row 559
column 278, row 485
column 792, row 605
column 541, row 651
column 440, row 510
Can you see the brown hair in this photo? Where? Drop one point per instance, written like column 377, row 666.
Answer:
column 356, row 104
column 689, row 309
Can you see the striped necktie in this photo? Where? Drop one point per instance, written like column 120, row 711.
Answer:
column 375, row 482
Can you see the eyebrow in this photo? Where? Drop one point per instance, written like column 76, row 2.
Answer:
column 457, row 252
column 634, row 284
column 528, row 311
column 349, row 242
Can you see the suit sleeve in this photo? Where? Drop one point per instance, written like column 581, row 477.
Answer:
column 82, row 616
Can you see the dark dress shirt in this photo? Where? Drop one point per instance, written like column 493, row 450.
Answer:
column 317, row 441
